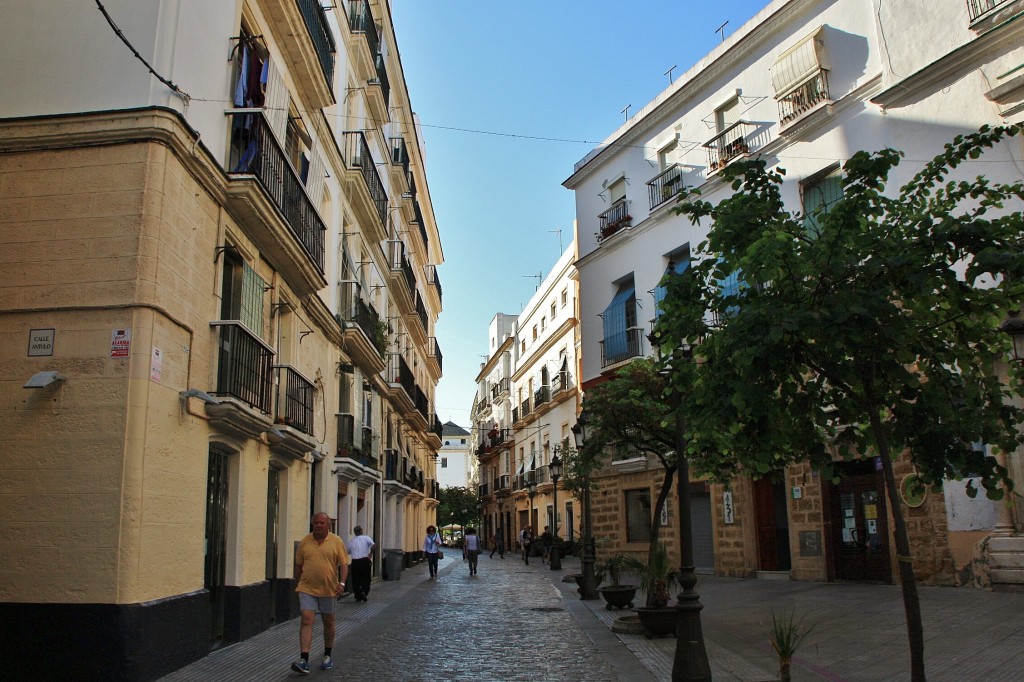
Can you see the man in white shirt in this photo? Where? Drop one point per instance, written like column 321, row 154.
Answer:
column 360, row 549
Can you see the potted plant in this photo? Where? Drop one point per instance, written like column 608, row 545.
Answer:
column 785, row 636
column 658, row 578
column 617, row 595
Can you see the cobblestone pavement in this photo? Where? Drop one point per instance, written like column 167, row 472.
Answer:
column 518, row 622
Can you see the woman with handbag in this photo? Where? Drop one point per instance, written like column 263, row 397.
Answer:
column 432, row 548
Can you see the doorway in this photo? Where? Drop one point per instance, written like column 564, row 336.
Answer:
column 216, row 540
column 772, row 525
column 860, row 528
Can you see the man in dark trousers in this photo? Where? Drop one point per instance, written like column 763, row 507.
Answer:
column 360, row 549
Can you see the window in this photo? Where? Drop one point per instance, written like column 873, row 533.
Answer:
column 678, row 262
column 444, row 462
column 522, row 346
column 818, row 194
column 565, row 297
column 800, row 76
column 534, row 332
column 463, row 441
column 638, row 516
column 553, row 310
column 543, row 323
column 242, row 292
column 621, row 340
column 727, row 114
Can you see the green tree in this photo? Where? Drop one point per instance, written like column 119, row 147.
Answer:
column 457, row 504
column 627, row 415
column 867, row 329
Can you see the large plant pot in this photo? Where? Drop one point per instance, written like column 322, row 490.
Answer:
column 658, row 621
column 578, row 577
column 618, row 596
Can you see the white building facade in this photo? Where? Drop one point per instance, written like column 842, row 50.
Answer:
column 455, row 458
column 803, row 85
column 526, row 404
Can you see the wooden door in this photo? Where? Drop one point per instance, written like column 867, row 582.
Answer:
column 860, row 529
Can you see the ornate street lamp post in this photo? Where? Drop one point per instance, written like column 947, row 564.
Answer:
column 691, row 657
column 588, row 590
column 502, row 526
column 555, row 469
column 531, row 490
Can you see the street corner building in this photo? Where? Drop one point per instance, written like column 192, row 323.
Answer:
column 802, row 85
column 220, row 285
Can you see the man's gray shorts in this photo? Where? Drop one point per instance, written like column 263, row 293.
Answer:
column 308, row 602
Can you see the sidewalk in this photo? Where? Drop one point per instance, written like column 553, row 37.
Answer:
column 859, row 633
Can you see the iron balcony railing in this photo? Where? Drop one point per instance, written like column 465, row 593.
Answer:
column 561, row 381
column 515, row 414
column 255, row 151
column 382, row 79
column 503, row 482
column 400, row 154
column 434, row 351
column 524, row 408
column 614, row 219
column 421, row 313
column 422, row 403
column 400, row 263
column 622, row 346
column 804, row 98
column 728, row 144
column 294, row 399
column 541, row 396
column 360, row 20
column 482, row 490
column 346, row 435
column 320, row 33
column 244, row 366
column 978, row 7
column 436, row 427
column 418, row 219
column 665, row 185
column 434, row 279
column 391, row 466
column 367, row 319
column 357, row 155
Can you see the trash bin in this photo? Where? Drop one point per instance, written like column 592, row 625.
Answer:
column 393, row 559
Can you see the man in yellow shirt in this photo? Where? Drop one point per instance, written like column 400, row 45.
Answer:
column 319, row 559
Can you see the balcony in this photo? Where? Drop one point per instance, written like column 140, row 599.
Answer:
column 665, row 185
column 503, row 482
column 975, row 8
column 562, row 381
column 346, row 435
column 320, row 33
column 614, row 219
column 400, row 161
column 420, row 315
column 294, row 405
column 541, row 396
column 357, row 156
column 379, row 96
column 391, row 462
column 402, row 272
column 364, row 29
column 434, row 353
column 311, row 60
column 255, row 155
column 434, row 280
column 798, row 102
column 730, row 144
column 482, row 490
column 622, row 346
column 365, row 334
column 417, row 214
column 515, row 414
column 244, row 366
column 436, row 427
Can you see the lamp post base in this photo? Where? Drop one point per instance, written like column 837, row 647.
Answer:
column 588, row 590
column 691, row 658
column 555, row 558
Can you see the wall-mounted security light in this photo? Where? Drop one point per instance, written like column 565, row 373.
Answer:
column 44, row 379
column 202, row 395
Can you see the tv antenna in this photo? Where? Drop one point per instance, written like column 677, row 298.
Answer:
column 669, row 73
column 540, row 278
column 625, row 112
column 721, row 29
column 559, row 231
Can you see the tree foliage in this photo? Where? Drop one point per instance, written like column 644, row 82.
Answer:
column 628, row 415
column 867, row 329
column 457, row 504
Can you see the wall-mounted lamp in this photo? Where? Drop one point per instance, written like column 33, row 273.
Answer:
column 44, row 379
column 202, row 395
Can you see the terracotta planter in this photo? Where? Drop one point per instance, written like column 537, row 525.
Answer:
column 658, row 621
column 618, row 596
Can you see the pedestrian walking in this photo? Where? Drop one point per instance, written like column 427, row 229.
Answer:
column 320, row 559
column 432, row 548
column 471, row 549
column 499, row 544
column 546, row 541
column 525, row 540
column 360, row 548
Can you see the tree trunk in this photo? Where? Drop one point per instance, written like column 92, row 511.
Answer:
column 666, row 488
column 911, row 602
column 784, row 664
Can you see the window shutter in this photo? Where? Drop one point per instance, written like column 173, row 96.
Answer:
column 315, row 177
column 275, row 107
column 252, row 300
column 800, row 63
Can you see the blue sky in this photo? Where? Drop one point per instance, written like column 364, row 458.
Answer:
column 514, row 72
